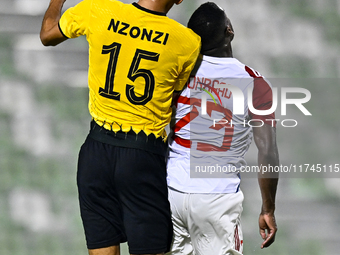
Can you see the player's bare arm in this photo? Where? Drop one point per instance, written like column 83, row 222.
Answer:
column 50, row 34
column 265, row 140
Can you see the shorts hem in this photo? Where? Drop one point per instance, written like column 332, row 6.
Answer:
column 106, row 244
column 148, row 251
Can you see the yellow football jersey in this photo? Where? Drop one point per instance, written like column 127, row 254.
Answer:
column 137, row 58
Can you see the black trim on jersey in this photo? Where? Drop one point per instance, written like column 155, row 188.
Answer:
column 147, row 10
column 61, row 31
column 129, row 139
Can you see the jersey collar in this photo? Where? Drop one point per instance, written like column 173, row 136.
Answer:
column 147, row 10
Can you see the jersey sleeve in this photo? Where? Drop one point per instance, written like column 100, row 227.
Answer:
column 263, row 100
column 188, row 66
column 74, row 22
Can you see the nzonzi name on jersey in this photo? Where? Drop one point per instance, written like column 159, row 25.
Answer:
column 135, row 32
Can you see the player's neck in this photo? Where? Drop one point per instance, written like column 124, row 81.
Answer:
column 157, row 6
column 223, row 52
column 229, row 51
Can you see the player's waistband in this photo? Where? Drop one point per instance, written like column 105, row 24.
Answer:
column 128, row 139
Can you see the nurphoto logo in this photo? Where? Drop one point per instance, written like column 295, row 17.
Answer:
column 239, row 106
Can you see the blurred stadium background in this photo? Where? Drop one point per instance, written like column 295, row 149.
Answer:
column 44, row 120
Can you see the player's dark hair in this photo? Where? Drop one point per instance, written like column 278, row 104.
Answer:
column 208, row 21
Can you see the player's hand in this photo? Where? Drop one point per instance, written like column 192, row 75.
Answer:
column 268, row 228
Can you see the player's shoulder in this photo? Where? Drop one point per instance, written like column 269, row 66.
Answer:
column 260, row 81
column 103, row 4
column 112, row 3
column 108, row 4
column 249, row 71
column 196, row 38
column 252, row 72
column 182, row 30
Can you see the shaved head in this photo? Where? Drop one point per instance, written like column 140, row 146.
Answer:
column 209, row 21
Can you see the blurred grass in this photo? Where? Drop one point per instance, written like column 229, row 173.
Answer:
column 327, row 16
column 54, row 177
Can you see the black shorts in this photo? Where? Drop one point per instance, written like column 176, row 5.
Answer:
column 123, row 196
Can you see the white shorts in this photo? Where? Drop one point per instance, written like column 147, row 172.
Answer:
column 206, row 224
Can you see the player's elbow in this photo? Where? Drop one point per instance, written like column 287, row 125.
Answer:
column 270, row 156
column 51, row 37
column 44, row 41
column 44, row 38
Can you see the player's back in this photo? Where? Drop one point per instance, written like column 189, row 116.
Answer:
column 137, row 58
column 209, row 136
column 213, row 126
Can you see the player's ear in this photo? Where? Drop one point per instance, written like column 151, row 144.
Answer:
column 230, row 32
column 178, row 2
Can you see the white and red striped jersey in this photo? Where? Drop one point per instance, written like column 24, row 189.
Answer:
column 209, row 140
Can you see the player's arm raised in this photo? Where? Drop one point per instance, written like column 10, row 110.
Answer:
column 265, row 140
column 50, row 34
